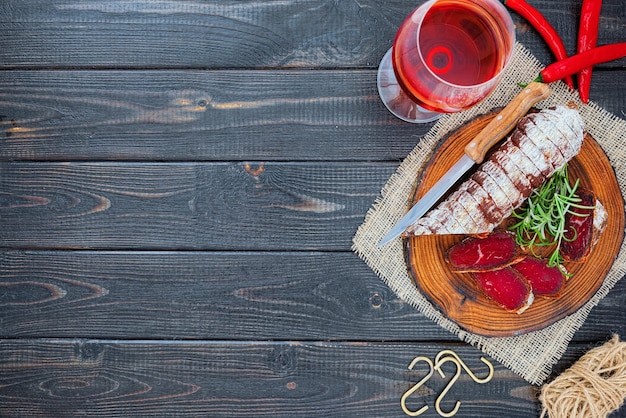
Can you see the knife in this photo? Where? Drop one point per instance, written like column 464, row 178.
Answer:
column 475, row 152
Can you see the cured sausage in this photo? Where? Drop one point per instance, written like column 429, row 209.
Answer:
column 541, row 143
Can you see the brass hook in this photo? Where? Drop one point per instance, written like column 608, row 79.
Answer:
column 417, row 386
column 452, row 381
column 465, row 367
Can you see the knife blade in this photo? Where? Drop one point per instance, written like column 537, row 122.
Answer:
column 474, row 153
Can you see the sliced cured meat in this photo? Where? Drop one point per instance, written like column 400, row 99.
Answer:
column 505, row 183
column 519, row 180
column 483, row 253
column 533, row 153
column 466, row 200
column 418, row 229
column 508, row 177
column 579, row 227
column 559, row 116
column 498, row 197
column 466, row 222
column 439, row 223
column 526, row 166
column 485, row 205
column 432, row 224
column 544, row 280
column 555, row 129
column 539, row 137
column 506, row 287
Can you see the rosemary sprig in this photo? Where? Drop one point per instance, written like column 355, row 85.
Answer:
column 542, row 219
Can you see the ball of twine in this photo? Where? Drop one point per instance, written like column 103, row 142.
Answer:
column 594, row 386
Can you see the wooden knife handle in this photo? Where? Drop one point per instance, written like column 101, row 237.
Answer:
column 506, row 120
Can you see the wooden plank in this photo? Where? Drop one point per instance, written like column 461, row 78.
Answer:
column 325, row 379
column 194, row 33
column 232, row 296
column 312, row 33
column 212, row 115
column 221, row 296
column 244, row 206
column 198, row 115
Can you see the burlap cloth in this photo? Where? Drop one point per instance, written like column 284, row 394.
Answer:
column 531, row 355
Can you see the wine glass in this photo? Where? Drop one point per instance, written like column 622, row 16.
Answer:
column 447, row 56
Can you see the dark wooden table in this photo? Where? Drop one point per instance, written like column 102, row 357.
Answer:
column 180, row 182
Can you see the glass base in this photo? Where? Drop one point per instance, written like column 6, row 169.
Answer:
column 398, row 103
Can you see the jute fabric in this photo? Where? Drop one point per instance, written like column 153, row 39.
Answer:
column 531, row 355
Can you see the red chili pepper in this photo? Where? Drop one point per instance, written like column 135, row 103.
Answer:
column 575, row 63
column 545, row 29
column 587, row 38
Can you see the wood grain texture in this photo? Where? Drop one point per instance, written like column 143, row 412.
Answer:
column 243, row 34
column 316, row 379
column 180, row 182
column 199, row 295
column 212, row 116
column 221, row 296
column 197, row 115
column 318, row 33
column 244, row 206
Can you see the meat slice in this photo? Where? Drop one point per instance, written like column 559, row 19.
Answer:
column 417, row 230
column 580, row 228
column 544, row 280
column 506, row 287
column 483, row 253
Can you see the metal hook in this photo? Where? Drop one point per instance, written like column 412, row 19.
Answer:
column 417, row 386
column 452, row 381
column 465, row 367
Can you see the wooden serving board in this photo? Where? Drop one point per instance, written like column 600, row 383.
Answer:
column 455, row 295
